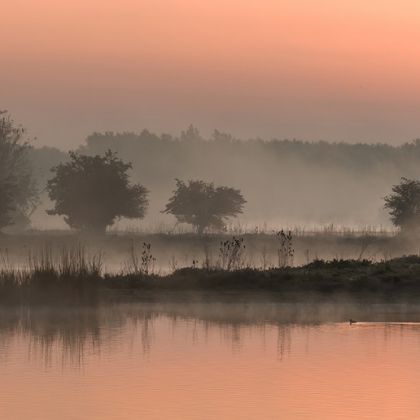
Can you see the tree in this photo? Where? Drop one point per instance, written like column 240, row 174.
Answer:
column 91, row 192
column 203, row 205
column 404, row 204
column 192, row 134
column 18, row 193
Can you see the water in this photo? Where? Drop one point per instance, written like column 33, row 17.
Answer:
column 210, row 361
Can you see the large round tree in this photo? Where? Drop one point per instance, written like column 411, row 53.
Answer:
column 404, row 204
column 91, row 192
column 203, row 205
column 18, row 194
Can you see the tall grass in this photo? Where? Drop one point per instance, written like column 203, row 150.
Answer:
column 140, row 264
column 70, row 271
column 68, row 262
column 231, row 254
column 67, row 271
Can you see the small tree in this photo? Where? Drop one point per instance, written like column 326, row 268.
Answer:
column 404, row 204
column 203, row 205
column 91, row 192
column 18, row 194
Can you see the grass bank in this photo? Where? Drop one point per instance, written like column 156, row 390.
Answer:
column 74, row 277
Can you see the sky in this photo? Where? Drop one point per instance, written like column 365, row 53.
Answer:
column 337, row 70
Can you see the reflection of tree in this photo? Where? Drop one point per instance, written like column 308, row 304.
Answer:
column 67, row 334
column 283, row 340
column 69, row 329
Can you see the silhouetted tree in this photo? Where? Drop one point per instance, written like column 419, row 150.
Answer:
column 203, row 205
column 191, row 134
column 91, row 192
column 404, row 204
column 18, row 194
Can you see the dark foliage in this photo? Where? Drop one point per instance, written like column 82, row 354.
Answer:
column 203, row 205
column 396, row 279
column 93, row 191
column 404, row 204
column 17, row 188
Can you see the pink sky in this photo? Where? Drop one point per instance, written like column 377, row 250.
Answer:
column 327, row 69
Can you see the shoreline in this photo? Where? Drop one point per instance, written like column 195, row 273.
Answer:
column 396, row 280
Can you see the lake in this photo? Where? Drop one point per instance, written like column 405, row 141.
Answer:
column 198, row 360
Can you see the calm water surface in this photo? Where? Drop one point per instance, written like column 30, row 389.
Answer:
column 210, row 361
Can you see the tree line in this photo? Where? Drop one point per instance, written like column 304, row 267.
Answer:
column 92, row 191
column 310, row 183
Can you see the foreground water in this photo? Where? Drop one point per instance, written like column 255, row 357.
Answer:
column 210, row 361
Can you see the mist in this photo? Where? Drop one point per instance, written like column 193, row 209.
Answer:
column 287, row 183
column 209, row 209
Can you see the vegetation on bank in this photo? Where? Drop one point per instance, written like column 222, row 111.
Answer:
column 93, row 191
column 386, row 279
column 74, row 277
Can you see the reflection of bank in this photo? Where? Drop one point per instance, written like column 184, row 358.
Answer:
column 70, row 333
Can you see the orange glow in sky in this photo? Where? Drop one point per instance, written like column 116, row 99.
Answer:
column 311, row 69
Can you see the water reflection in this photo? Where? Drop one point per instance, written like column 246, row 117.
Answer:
column 68, row 333
column 201, row 360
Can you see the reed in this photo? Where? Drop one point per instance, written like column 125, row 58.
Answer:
column 72, row 273
column 67, row 272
